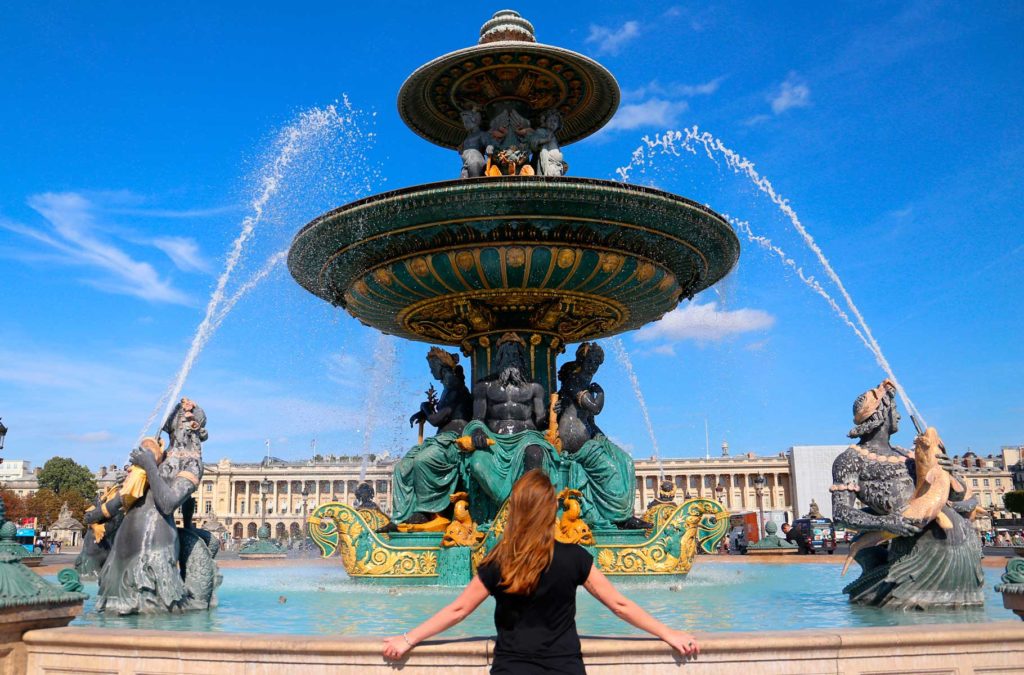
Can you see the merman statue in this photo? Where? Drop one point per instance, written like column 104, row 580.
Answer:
column 152, row 565
column 916, row 548
column 431, row 471
column 599, row 469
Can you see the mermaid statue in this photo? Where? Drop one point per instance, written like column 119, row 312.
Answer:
column 917, row 548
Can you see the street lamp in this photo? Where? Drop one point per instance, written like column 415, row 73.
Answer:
column 720, row 494
column 265, row 486
column 759, row 483
column 3, row 434
column 305, row 496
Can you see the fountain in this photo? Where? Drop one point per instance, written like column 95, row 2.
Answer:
column 510, row 264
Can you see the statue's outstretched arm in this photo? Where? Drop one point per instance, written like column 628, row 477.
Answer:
column 591, row 399
column 440, row 417
column 167, row 496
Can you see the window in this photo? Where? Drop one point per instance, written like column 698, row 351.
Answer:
column 650, row 482
column 209, row 507
column 986, row 482
column 999, row 482
column 209, row 486
column 242, row 509
column 974, row 482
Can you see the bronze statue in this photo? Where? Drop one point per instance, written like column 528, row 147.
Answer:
column 548, row 160
column 153, row 566
column 474, row 148
column 432, row 470
column 601, row 470
column 910, row 558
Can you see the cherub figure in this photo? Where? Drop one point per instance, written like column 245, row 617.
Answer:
column 474, row 148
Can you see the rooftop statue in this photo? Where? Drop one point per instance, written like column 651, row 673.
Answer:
column 917, row 549
column 152, row 565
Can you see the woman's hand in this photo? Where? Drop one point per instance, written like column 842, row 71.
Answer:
column 396, row 647
column 682, row 642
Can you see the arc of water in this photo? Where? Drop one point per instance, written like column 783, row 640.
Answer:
column 619, row 347
column 673, row 140
column 292, row 142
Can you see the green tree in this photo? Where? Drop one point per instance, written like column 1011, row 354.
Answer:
column 63, row 474
column 45, row 505
column 1014, row 501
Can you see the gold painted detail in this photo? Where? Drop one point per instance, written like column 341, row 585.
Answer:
column 462, row 531
column 573, row 316
column 666, row 552
column 374, row 518
column 437, row 524
column 364, row 553
column 571, row 529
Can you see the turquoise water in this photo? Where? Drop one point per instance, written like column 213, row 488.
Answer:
column 714, row 597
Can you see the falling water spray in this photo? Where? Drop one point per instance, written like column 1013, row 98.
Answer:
column 619, row 347
column 672, row 142
column 313, row 130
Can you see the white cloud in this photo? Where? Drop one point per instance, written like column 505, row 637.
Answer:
column 655, row 112
column 793, row 93
column 78, row 239
column 673, row 89
column 609, row 40
column 705, row 323
column 183, row 252
column 92, row 437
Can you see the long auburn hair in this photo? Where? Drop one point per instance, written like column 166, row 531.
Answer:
column 528, row 544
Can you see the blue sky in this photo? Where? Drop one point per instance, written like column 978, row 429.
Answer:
column 134, row 142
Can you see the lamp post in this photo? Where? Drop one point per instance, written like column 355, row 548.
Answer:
column 3, row 434
column 265, row 486
column 720, row 494
column 305, row 495
column 759, row 483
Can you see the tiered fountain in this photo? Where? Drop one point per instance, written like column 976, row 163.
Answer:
column 513, row 252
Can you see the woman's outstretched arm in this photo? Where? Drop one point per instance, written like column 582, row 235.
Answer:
column 470, row 598
column 597, row 585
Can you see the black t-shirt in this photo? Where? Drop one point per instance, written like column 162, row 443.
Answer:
column 541, row 627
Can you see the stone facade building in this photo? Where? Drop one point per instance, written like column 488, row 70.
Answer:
column 231, row 492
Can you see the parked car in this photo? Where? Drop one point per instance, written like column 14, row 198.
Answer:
column 820, row 533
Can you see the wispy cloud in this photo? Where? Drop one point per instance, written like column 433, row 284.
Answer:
column 792, row 93
column 655, row 112
column 704, row 323
column 76, row 238
column 611, row 40
column 673, row 89
column 91, row 437
column 183, row 252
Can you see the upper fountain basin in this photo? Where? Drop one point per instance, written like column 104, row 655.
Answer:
column 574, row 257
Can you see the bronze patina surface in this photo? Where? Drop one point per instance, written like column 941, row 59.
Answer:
column 570, row 257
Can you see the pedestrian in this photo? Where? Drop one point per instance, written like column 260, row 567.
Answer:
column 795, row 536
column 533, row 579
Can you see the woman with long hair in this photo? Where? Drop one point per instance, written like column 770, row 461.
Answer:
column 533, row 579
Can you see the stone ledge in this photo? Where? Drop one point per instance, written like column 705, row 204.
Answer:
column 963, row 649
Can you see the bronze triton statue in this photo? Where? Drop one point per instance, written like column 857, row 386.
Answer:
column 916, row 548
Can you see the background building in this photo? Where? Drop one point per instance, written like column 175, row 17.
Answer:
column 811, row 469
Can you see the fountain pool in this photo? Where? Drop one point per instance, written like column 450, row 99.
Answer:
column 716, row 597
